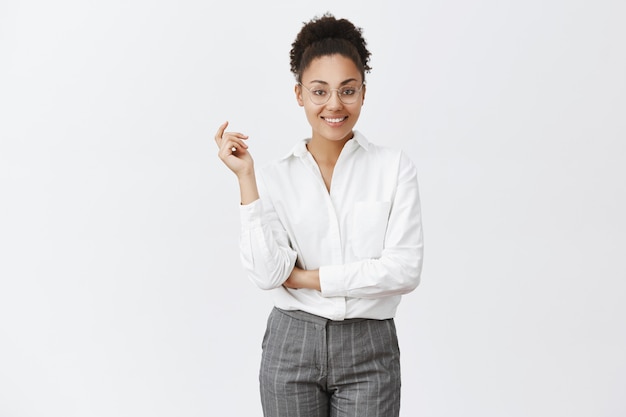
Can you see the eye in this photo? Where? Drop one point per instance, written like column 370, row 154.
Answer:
column 319, row 92
column 348, row 91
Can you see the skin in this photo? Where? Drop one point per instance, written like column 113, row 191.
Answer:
column 327, row 138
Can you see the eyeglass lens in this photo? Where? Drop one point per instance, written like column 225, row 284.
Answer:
column 347, row 94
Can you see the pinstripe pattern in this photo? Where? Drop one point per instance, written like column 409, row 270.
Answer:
column 314, row 367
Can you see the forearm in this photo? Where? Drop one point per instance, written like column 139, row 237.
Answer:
column 372, row 278
column 392, row 274
column 301, row 278
column 248, row 189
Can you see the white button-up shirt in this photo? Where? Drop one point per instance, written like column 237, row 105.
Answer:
column 364, row 236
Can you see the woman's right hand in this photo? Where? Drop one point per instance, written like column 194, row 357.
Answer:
column 233, row 151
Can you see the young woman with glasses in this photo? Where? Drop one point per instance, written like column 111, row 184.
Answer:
column 334, row 231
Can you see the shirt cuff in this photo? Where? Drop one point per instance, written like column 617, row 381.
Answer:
column 331, row 281
column 250, row 214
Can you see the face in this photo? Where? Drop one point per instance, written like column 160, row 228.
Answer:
column 333, row 120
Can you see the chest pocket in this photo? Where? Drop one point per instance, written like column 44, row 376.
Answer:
column 369, row 224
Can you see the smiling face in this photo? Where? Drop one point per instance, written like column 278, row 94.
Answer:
column 334, row 120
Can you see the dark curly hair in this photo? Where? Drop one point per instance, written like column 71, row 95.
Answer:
column 326, row 35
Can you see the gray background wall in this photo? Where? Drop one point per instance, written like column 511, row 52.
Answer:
column 121, row 292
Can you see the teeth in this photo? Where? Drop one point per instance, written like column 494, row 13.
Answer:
column 335, row 120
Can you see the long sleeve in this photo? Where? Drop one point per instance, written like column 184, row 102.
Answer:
column 264, row 245
column 397, row 270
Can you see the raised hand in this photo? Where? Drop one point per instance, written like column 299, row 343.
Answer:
column 233, row 151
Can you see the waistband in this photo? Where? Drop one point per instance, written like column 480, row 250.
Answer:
column 312, row 318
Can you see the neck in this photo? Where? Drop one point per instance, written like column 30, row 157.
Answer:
column 324, row 150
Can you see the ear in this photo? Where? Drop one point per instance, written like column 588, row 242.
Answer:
column 363, row 94
column 298, row 90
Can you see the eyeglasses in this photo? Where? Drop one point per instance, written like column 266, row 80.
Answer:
column 348, row 94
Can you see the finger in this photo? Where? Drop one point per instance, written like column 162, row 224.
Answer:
column 234, row 145
column 220, row 132
column 231, row 145
column 231, row 139
column 230, row 136
column 234, row 135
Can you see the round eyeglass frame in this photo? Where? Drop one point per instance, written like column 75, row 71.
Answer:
column 356, row 94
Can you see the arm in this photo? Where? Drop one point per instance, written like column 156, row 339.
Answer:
column 397, row 271
column 265, row 250
column 302, row 278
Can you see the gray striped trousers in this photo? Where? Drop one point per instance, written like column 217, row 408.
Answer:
column 315, row 367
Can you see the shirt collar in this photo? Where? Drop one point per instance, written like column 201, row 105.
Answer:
column 300, row 150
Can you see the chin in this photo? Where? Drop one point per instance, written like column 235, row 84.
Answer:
column 337, row 136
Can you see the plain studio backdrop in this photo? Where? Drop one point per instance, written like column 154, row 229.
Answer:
column 121, row 290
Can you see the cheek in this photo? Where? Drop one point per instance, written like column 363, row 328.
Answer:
column 309, row 110
column 311, row 116
column 356, row 110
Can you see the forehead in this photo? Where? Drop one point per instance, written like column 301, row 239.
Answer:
column 332, row 69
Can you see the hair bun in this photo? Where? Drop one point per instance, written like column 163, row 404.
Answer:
column 327, row 35
column 327, row 27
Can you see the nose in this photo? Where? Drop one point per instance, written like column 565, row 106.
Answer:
column 334, row 101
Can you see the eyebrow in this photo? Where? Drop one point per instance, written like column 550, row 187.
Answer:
column 349, row 80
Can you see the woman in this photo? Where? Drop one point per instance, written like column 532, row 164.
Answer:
column 334, row 231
